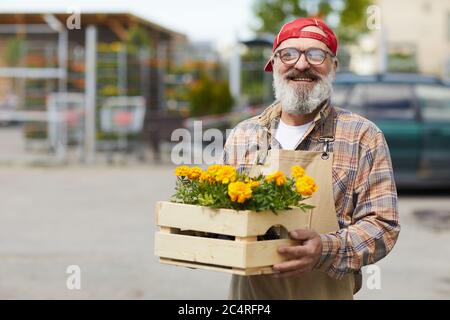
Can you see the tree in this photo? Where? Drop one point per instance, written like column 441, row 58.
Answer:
column 208, row 96
column 347, row 17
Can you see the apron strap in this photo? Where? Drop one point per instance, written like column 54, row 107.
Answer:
column 327, row 132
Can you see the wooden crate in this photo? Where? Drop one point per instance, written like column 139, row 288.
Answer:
column 235, row 248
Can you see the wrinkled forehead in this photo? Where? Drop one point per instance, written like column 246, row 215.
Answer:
column 304, row 43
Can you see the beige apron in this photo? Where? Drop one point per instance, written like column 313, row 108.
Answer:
column 315, row 284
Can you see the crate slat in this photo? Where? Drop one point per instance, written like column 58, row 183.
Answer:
column 227, row 253
column 226, row 221
column 242, row 272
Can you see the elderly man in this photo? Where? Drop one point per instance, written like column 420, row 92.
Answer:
column 355, row 219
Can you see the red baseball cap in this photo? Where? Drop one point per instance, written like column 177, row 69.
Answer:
column 293, row 29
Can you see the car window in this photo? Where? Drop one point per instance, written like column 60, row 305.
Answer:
column 389, row 102
column 434, row 102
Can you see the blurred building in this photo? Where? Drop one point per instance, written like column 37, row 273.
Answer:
column 192, row 59
column 43, row 53
column 414, row 36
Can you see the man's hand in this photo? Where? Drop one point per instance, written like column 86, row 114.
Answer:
column 302, row 258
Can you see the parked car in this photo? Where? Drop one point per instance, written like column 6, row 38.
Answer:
column 413, row 111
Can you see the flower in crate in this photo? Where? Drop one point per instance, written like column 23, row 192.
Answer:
column 305, row 186
column 253, row 183
column 297, row 172
column 194, row 173
column 278, row 177
column 182, row 171
column 226, row 174
column 221, row 186
column 240, row 191
column 207, row 177
column 212, row 169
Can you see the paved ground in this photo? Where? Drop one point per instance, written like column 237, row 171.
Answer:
column 102, row 219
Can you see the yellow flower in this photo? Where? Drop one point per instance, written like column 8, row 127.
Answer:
column 195, row 173
column 207, row 177
column 254, row 183
column 306, row 186
column 297, row 172
column 278, row 177
column 212, row 170
column 226, row 174
column 182, row 171
column 239, row 191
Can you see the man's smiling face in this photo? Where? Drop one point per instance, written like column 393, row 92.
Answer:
column 302, row 87
column 302, row 66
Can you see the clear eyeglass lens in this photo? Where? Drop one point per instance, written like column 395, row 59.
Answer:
column 315, row 56
column 289, row 55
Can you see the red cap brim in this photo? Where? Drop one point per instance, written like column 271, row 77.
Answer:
column 268, row 66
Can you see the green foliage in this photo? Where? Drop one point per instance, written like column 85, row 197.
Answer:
column 353, row 20
column 14, row 48
column 138, row 38
column 264, row 195
column 253, row 78
column 208, row 96
column 272, row 14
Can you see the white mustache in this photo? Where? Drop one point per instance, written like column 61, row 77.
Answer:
column 300, row 99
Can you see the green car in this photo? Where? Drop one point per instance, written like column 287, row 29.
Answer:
column 413, row 111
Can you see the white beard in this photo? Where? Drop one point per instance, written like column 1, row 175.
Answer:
column 300, row 99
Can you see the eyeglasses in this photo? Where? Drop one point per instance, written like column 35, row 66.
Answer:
column 290, row 56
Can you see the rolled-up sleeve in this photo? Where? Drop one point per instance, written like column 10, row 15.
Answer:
column 375, row 221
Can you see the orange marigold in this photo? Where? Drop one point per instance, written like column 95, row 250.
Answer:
column 306, row 186
column 207, row 177
column 239, row 191
column 278, row 177
column 212, row 169
column 182, row 171
column 297, row 172
column 226, row 174
column 194, row 173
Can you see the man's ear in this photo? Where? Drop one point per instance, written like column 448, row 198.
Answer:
column 336, row 64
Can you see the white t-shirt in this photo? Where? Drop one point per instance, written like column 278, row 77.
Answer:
column 289, row 136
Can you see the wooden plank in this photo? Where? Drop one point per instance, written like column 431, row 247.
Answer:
column 265, row 253
column 210, row 267
column 226, row 253
column 197, row 249
column 226, row 221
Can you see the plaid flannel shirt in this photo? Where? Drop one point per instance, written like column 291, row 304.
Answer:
column 363, row 183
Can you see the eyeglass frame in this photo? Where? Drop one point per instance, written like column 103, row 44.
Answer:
column 302, row 52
